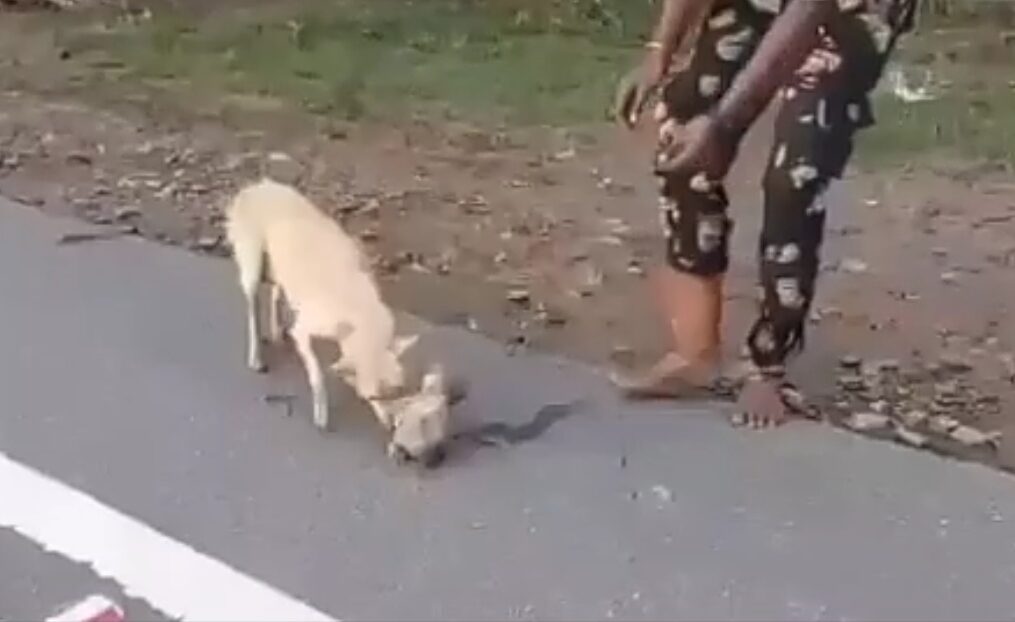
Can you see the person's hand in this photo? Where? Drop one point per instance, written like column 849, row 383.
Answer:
column 636, row 88
column 702, row 145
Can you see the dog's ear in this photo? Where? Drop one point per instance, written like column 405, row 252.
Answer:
column 402, row 344
column 434, row 381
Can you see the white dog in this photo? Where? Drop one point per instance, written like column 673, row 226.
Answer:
column 326, row 281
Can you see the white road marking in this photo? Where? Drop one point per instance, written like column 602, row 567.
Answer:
column 171, row 576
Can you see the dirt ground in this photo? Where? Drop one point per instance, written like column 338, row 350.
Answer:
column 541, row 238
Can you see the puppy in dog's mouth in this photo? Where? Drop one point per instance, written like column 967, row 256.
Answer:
column 420, row 422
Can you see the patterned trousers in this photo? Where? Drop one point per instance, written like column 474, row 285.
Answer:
column 819, row 112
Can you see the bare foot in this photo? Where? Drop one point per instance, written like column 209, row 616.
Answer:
column 762, row 404
column 672, row 377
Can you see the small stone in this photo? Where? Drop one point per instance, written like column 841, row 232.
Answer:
column 283, row 168
column 476, row 206
column 663, row 493
column 942, row 424
column 937, row 408
column 949, row 278
column 336, row 131
column 370, row 234
column 78, row 157
column 852, row 382
column 853, row 266
column 1007, row 361
column 208, row 242
column 880, row 407
column 850, row 361
column 125, row 212
column 10, row 161
column 910, row 437
column 794, row 399
column 954, row 364
column 519, row 295
column 887, row 365
column 988, row 399
column 590, row 279
column 913, row 418
column 866, row 421
column 971, row 437
column 946, row 389
column 565, row 154
column 617, row 226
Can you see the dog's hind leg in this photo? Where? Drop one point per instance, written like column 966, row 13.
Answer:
column 249, row 256
column 303, row 340
column 274, row 322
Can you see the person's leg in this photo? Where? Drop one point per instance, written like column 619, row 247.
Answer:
column 688, row 290
column 819, row 113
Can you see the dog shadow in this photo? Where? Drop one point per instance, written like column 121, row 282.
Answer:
column 504, row 435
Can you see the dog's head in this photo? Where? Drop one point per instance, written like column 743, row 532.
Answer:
column 421, row 422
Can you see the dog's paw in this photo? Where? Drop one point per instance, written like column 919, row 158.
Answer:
column 257, row 366
column 321, row 421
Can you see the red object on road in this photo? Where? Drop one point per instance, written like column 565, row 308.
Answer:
column 95, row 608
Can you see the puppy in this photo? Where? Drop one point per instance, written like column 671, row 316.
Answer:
column 325, row 279
column 421, row 422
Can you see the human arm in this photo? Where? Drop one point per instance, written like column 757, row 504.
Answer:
column 676, row 20
column 709, row 143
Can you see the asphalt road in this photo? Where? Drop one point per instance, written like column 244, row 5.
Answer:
column 122, row 376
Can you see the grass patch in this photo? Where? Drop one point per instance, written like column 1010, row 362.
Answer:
column 522, row 62
column 973, row 116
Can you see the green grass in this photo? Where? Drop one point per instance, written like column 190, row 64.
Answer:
column 522, row 62
column 973, row 116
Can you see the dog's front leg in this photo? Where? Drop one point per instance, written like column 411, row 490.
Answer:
column 315, row 376
column 254, row 358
